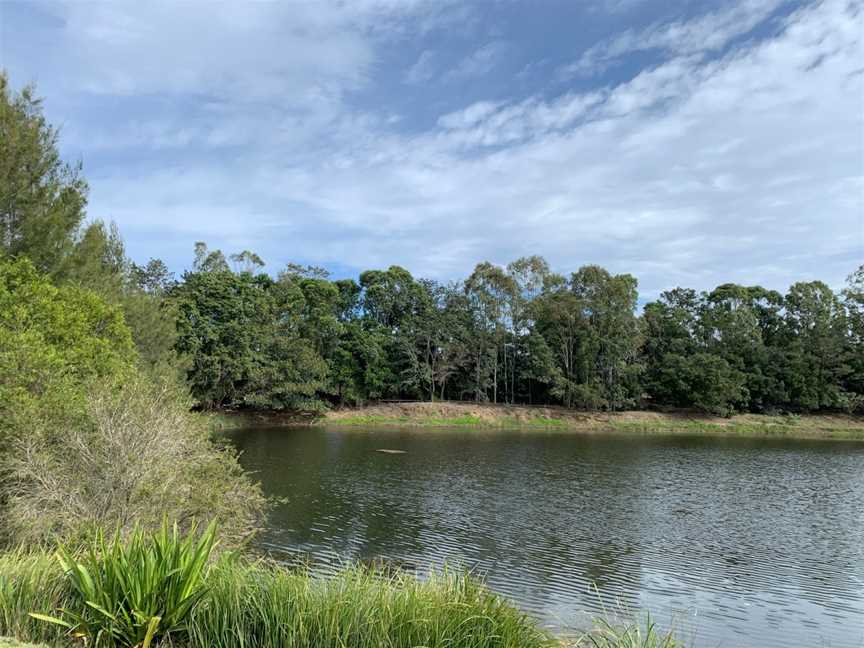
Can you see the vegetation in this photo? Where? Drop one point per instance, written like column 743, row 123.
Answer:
column 838, row 426
column 158, row 587
column 101, row 361
column 136, row 592
column 520, row 335
column 91, row 439
column 96, row 430
column 629, row 635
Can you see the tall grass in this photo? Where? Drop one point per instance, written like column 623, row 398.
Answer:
column 262, row 606
column 240, row 603
column 32, row 582
column 631, row 635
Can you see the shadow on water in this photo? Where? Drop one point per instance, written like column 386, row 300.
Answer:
column 739, row 542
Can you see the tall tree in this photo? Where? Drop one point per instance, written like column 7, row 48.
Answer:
column 42, row 198
column 816, row 329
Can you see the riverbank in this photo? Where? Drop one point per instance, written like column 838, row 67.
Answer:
column 822, row 426
column 257, row 603
column 471, row 415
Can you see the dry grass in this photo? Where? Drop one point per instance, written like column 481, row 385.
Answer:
column 445, row 414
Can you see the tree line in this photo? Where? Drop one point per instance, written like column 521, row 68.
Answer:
column 520, row 333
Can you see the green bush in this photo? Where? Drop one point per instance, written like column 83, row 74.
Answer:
column 134, row 592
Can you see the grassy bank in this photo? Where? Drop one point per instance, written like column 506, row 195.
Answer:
column 261, row 605
column 492, row 416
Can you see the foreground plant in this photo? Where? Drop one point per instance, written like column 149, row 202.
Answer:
column 129, row 593
column 163, row 590
column 633, row 635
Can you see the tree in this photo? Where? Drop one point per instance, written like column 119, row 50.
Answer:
column 244, row 335
column 42, row 199
column 742, row 325
column 612, row 341
column 672, row 335
column 490, row 293
column 54, row 339
column 853, row 300
column 816, row 337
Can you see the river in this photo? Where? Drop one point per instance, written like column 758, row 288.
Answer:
column 736, row 543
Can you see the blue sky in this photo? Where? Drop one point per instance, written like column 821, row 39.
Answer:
column 689, row 143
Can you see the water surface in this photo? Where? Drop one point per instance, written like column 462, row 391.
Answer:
column 740, row 543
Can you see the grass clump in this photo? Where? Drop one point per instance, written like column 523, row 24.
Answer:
column 32, row 582
column 160, row 587
column 130, row 593
column 267, row 606
column 629, row 635
column 6, row 642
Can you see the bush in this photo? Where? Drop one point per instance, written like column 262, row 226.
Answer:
column 131, row 456
column 52, row 342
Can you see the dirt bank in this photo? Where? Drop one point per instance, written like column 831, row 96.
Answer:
column 643, row 422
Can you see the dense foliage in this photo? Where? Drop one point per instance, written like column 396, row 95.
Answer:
column 88, row 437
column 134, row 592
column 95, row 428
column 517, row 334
column 520, row 334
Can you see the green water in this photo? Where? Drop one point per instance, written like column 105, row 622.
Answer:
column 743, row 543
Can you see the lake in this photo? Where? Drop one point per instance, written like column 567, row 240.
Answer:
column 739, row 543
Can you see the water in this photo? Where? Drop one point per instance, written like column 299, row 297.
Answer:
column 736, row 543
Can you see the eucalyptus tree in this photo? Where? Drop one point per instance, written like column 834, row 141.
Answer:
column 560, row 321
column 611, row 342
column 742, row 325
column 853, row 300
column 490, row 292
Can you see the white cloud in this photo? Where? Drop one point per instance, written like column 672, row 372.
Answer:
column 479, row 63
column 423, row 70
column 711, row 32
column 696, row 171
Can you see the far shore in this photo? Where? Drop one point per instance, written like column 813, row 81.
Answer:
column 476, row 415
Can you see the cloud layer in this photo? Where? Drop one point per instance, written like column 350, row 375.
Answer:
column 733, row 152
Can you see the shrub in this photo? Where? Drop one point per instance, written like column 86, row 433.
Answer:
column 134, row 592
column 52, row 342
column 133, row 455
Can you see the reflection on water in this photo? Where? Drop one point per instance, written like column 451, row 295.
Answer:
column 739, row 543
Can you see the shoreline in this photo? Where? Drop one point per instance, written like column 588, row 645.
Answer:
column 488, row 417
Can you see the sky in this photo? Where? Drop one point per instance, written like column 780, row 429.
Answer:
column 688, row 143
